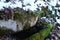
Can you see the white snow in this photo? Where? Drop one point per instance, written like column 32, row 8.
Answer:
column 25, row 2
column 58, row 20
column 28, row 1
column 2, row 0
column 53, row 2
column 59, row 27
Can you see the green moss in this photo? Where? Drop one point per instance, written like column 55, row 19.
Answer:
column 41, row 34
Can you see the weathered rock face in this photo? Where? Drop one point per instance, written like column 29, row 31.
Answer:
column 19, row 25
column 8, row 13
column 32, row 21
